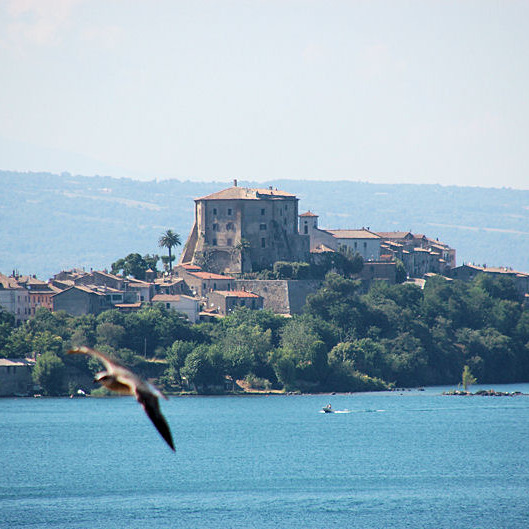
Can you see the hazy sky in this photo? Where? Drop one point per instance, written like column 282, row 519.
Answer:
column 379, row 91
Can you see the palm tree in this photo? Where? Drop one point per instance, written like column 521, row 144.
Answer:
column 169, row 240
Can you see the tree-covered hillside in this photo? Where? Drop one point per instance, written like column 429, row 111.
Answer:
column 51, row 222
column 393, row 335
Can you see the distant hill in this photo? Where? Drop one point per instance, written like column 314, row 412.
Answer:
column 51, row 222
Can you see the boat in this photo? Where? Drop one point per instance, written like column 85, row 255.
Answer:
column 327, row 409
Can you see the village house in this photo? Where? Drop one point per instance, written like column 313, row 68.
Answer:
column 187, row 305
column 226, row 301
column 419, row 254
column 241, row 229
column 14, row 298
column 362, row 241
column 200, row 283
column 467, row 272
column 81, row 299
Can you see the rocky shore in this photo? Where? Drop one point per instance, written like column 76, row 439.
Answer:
column 484, row 393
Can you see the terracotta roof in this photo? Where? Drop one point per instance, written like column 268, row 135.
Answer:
column 209, row 275
column 308, row 214
column 136, row 305
column 496, row 270
column 353, row 234
column 168, row 281
column 190, row 266
column 393, row 234
column 236, row 294
column 170, row 297
column 245, row 193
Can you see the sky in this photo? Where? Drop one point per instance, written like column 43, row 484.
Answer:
column 385, row 91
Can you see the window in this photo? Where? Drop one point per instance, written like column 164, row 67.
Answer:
column 215, row 227
column 356, row 244
column 305, row 229
column 204, row 286
column 263, row 242
column 230, row 226
column 229, row 211
column 167, row 305
column 214, row 242
column 262, row 226
column 365, row 245
column 214, row 211
column 229, row 242
column 214, row 286
column 263, row 211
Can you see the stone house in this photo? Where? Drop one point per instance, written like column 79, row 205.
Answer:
column 14, row 298
column 467, row 272
column 81, row 299
column 225, row 301
column 200, row 283
column 264, row 219
column 185, row 304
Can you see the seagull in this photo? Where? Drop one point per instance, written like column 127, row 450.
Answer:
column 121, row 380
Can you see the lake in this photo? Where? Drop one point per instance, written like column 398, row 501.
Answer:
column 389, row 460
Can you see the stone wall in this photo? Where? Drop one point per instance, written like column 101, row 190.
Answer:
column 280, row 296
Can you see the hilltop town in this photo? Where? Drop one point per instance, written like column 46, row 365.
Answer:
column 237, row 234
column 251, row 248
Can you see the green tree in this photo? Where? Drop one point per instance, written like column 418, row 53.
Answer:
column 133, row 265
column 467, row 378
column 49, row 373
column 169, row 240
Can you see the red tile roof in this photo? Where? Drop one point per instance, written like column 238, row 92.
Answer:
column 308, row 214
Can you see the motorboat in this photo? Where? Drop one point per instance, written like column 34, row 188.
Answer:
column 327, row 409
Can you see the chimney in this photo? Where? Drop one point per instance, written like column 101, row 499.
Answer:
column 235, row 182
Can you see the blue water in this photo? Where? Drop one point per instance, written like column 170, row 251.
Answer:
column 390, row 460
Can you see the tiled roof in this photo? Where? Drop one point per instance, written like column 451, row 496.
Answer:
column 236, row 294
column 308, row 214
column 245, row 193
column 353, row 234
column 496, row 270
column 168, row 281
column 209, row 275
column 170, row 297
column 393, row 234
column 190, row 267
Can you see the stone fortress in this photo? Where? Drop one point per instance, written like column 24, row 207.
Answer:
column 241, row 230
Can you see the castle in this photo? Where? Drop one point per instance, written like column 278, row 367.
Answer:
column 240, row 230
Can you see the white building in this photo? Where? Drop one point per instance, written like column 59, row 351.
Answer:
column 14, row 298
column 362, row 241
column 184, row 304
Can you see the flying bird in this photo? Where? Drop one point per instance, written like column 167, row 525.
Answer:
column 121, row 380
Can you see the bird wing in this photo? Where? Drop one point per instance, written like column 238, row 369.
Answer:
column 109, row 364
column 150, row 404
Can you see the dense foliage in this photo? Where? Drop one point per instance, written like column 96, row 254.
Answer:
column 345, row 341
